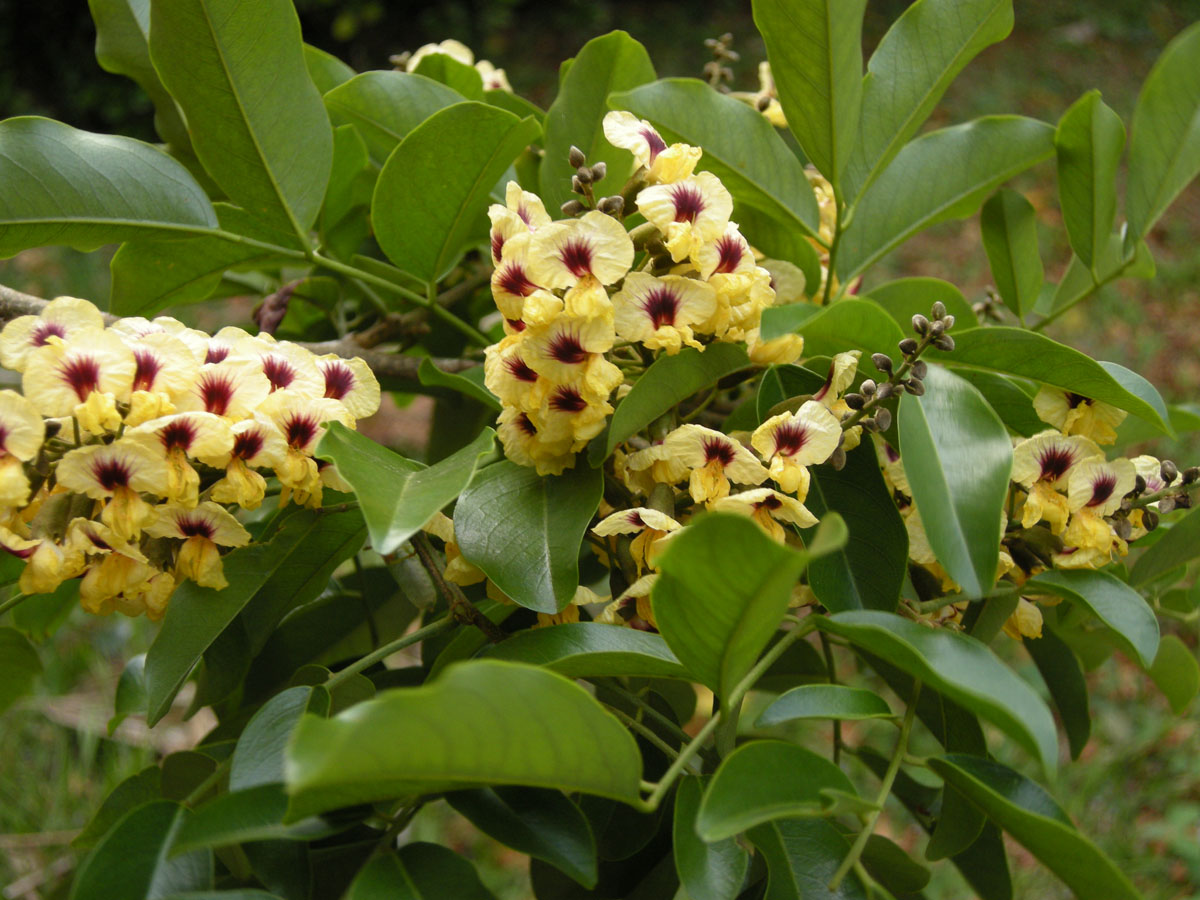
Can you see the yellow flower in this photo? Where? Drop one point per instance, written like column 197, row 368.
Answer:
column 299, row 419
column 1099, row 485
column 790, row 442
column 787, row 279
column 351, row 381
column 60, row 378
column 1042, row 465
column 562, row 253
column 116, row 582
column 288, row 366
column 632, row 608
column 507, row 375
column 893, row 467
column 689, row 213
column 1025, row 622
column 256, row 443
column 166, row 369
column 663, row 164
column 650, row 526
column 571, row 412
column 233, row 388
column 769, row 508
column 202, row 529
column 714, row 460
column 47, row 567
column 21, row 433
column 727, row 254
column 512, row 283
column 660, row 312
column 525, row 446
column 456, row 50
column 570, row 351
column 1075, row 414
column 178, row 436
column 521, row 213
column 61, row 318
column 785, row 349
column 458, row 570
column 493, row 79
column 119, row 472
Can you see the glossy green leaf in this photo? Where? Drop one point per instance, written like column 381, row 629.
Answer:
column 1178, row 546
column 122, row 35
column 802, row 855
column 468, row 642
column 667, row 381
column 1063, row 675
column 589, row 650
column 942, row 175
column 1027, row 354
column 708, row 870
column 136, row 790
column 918, row 58
column 961, row 668
column 386, row 106
column 1012, row 401
column 868, row 572
column 150, row 275
column 1164, row 152
column 1038, row 823
column 133, row 859
column 543, row 824
column 525, row 530
column 1078, row 282
column 888, row 864
column 445, row 69
column 418, row 871
column 237, row 72
column 780, row 242
column 958, row 458
column 825, row 701
column 467, row 383
column 196, row 615
column 59, row 185
column 1009, row 227
column 397, row 495
column 344, row 222
column 740, row 146
column 41, row 615
column 815, row 50
column 718, row 617
column 325, row 69
column 849, row 324
column 1112, row 601
column 1176, row 673
column 131, row 692
column 463, row 730
column 259, row 754
column 20, row 667
column 905, row 297
column 1089, row 142
column 254, row 814
column 608, row 64
column 435, row 187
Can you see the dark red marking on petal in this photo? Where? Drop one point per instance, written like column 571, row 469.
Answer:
column 635, row 518
column 717, row 450
column 516, row 324
column 523, row 212
column 1055, row 461
column 567, row 399
column 512, row 280
column 566, row 348
column 217, row 352
column 661, row 304
column 178, row 435
column 339, row 379
column 278, row 370
column 45, row 330
column 247, row 445
column 111, row 473
column 300, row 430
column 790, row 438
column 216, row 390
column 1073, row 399
column 497, row 246
column 519, row 369
column 1102, row 488
column 772, row 503
column 729, row 253
column 194, row 525
column 148, row 367
column 689, row 202
column 525, row 425
column 656, row 143
column 576, row 254
column 828, row 382
column 82, row 374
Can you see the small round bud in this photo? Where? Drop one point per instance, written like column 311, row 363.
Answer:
column 920, row 324
column 837, row 459
column 598, row 171
column 855, row 401
column 1139, row 485
column 1184, row 501
column 1166, row 504
column 948, row 321
column 920, row 369
column 1149, row 519
column 885, row 390
column 612, row 206
column 908, row 346
column 868, row 387
column 938, row 311
column 882, row 362
column 763, row 103
column 937, row 328
column 869, row 425
column 883, row 419
column 576, row 158
column 1169, row 471
column 576, row 185
column 572, row 208
column 945, row 342
column 52, row 428
column 915, row 386
column 1190, row 474
column 1123, row 529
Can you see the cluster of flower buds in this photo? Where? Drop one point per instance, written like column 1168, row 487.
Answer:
column 584, row 303
column 581, row 183
column 130, row 444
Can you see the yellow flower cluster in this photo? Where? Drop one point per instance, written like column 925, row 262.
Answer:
column 572, row 291
column 129, row 443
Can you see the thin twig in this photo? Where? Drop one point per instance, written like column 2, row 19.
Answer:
column 460, row 607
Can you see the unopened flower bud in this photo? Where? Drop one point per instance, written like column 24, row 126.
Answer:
column 920, row 369
column 1123, row 529
column 1168, row 470
column 572, row 208
column 855, row 401
column 885, row 390
column 937, row 328
column 868, row 387
column 612, row 206
column 920, row 324
column 576, row 184
column 1190, row 474
column 837, row 459
column 598, row 171
column 948, row 321
column 883, row 419
column 1166, row 504
column 1139, row 485
column 762, row 103
column 1183, row 501
column 53, row 427
column 938, row 311
column 915, row 386
column 576, row 158
column 945, row 342
column 1149, row 519
column 882, row 362
column 908, row 346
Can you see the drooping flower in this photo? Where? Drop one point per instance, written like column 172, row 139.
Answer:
column 650, row 526
column 663, row 164
column 507, row 375
column 1073, row 413
column 791, row 442
column 1095, row 488
column 570, row 351
column 202, row 530
column 727, row 254
column 299, row 419
column 166, row 369
column 458, row 570
column 512, row 282
column 178, row 437
column 456, row 50
column 661, row 312
column 521, row 213
column 713, row 461
column 770, row 509
column 1042, row 464
column 526, row 447
column 1025, row 621
column 572, row 412
column 119, row 473
column 632, row 608
column 21, row 434
column 493, row 79
column 689, row 213
column 62, row 318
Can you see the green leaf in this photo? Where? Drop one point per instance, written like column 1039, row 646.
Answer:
column 708, row 870
column 41, row 615
column 136, row 790
column 1038, row 823
column 397, row 495
column 1176, row 673
column 463, row 730
column 668, row 380
column 888, row 864
column 542, row 824
column 848, row 324
column 344, row 215
column 1178, row 546
column 59, row 185
column 1009, row 226
column 779, row 241
column 258, row 757
column 150, row 275
column 20, row 667
column 815, row 50
column 447, row 70
column 605, row 65
column 122, row 34
column 1064, row 679
column 255, row 814
column 958, row 458
column 802, row 855
column 468, row 383
column 418, row 871
column 133, row 861
column 718, row 617
column 590, row 650
column 197, row 615
column 386, row 106
column 918, row 58
column 257, row 122
column 868, row 572
column 240, row 894
column 1078, row 282
column 1164, row 153
column 959, row 667
column 1089, row 141
column 825, row 701
column 435, row 187
column 905, row 297
column 524, row 530
column 942, row 175
column 1011, row 401
column 740, row 146
column 325, row 69
column 1027, row 354
column 1110, row 600
column 131, row 692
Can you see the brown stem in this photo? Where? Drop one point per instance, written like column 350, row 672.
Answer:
column 460, row 607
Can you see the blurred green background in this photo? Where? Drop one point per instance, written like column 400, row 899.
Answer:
column 1136, row 790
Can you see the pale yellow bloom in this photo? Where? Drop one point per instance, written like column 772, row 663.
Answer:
column 493, row 79
column 119, row 472
column 257, row 443
column 1025, row 622
column 351, row 381
column 60, row 378
column 714, row 460
column 233, row 388
column 22, row 431
column 62, row 317
column 769, row 508
column 663, row 164
column 790, row 442
column 1075, row 414
column 562, row 253
column 202, row 530
column 1042, row 464
column 178, row 437
column 526, row 447
column 456, row 50
column 650, row 526
column 689, row 213
column 661, row 312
